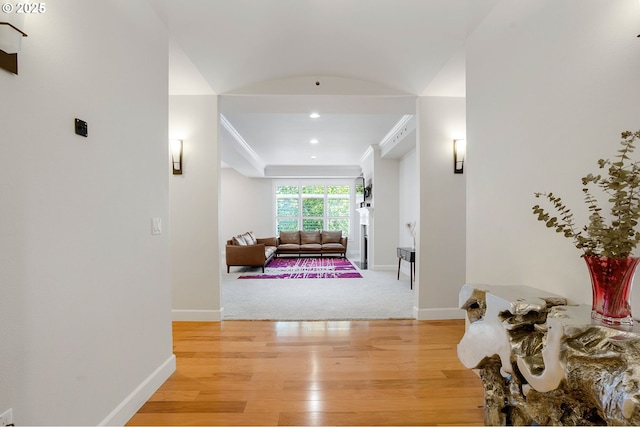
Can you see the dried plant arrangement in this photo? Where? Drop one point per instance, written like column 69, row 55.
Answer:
column 611, row 234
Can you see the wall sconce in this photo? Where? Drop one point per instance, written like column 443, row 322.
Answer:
column 11, row 40
column 459, row 153
column 176, row 156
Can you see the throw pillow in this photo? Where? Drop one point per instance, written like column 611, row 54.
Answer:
column 254, row 241
column 248, row 237
column 331, row 236
column 239, row 240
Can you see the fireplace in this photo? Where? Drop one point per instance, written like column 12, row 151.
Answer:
column 364, row 246
column 365, row 224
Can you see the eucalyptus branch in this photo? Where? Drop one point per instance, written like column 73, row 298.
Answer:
column 565, row 225
column 619, row 238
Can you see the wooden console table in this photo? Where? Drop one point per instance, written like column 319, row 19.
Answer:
column 409, row 255
column 543, row 362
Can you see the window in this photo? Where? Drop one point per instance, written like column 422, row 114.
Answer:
column 310, row 207
column 287, row 208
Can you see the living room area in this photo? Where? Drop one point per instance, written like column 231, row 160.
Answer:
column 396, row 167
column 380, row 290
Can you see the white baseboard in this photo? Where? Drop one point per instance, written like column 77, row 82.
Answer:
column 197, row 315
column 438, row 313
column 138, row 397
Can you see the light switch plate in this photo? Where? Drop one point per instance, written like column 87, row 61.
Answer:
column 156, row 226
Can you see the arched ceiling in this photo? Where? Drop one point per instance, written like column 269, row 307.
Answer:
column 264, row 57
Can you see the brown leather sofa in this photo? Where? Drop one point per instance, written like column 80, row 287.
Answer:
column 247, row 250
column 312, row 242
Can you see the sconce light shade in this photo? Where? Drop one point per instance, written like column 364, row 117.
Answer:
column 459, row 153
column 11, row 36
column 11, row 33
column 176, row 156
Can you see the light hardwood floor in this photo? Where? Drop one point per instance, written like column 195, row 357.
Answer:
column 386, row 372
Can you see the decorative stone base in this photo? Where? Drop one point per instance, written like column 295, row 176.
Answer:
column 543, row 362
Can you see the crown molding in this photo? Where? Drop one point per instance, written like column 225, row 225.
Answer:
column 404, row 127
column 369, row 152
column 312, row 171
column 242, row 146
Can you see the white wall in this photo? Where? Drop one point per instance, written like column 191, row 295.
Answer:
column 408, row 196
column 195, row 251
column 384, row 230
column 85, row 301
column 408, row 200
column 440, row 250
column 384, row 212
column 550, row 86
column 246, row 204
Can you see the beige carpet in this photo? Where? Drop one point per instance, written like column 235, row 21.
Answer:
column 377, row 295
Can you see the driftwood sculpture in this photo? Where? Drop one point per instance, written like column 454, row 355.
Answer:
column 544, row 362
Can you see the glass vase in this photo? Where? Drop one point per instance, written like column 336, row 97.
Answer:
column 611, row 282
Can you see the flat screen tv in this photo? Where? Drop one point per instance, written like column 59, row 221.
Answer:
column 359, row 191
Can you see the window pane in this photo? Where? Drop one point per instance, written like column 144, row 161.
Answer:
column 313, row 189
column 312, row 224
column 287, row 225
column 338, row 189
column 287, row 189
column 339, row 224
column 338, row 207
column 287, row 207
column 313, row 207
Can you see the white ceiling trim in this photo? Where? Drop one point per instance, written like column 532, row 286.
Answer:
column 368, row 152
column 324, row 171
column 242, row 146
column 404, row 126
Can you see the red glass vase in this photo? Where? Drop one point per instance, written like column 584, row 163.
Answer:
column 611, row 282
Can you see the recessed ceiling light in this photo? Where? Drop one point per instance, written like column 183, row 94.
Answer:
column 314, row 141
column 313, row 157
column 314, row 115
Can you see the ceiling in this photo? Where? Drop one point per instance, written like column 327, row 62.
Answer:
column 360, row 64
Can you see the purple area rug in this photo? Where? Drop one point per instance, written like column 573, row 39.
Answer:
column 307, row 268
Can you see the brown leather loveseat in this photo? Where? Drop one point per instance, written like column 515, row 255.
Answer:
column 247, row 250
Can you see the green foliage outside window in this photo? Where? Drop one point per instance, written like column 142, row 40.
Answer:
column 338, row 207
column 287, row 207
column 339, row 189
column 287, row 225
column 306, row 203
column 312, row 224
column 287, row 189
column 313, row 207
column 313, row 189
column 339, row 224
